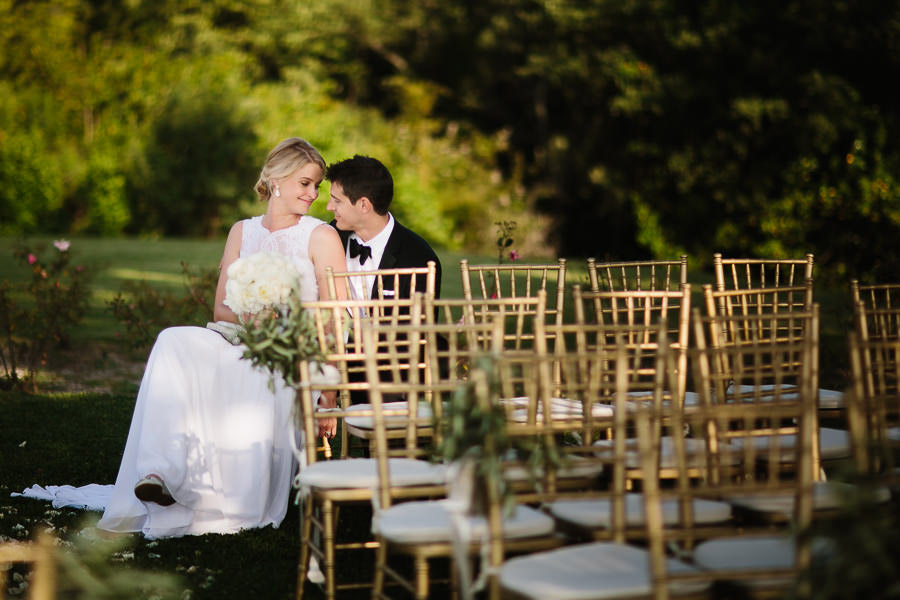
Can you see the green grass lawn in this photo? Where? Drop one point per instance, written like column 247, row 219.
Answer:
column 64, row 437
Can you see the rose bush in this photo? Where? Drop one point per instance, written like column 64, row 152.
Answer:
column 39, row 313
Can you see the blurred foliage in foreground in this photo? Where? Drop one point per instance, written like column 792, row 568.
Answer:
column 609, row 129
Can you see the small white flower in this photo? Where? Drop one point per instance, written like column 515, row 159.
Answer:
column 62, row 245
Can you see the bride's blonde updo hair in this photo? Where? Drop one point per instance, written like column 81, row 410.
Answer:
column 284, row 159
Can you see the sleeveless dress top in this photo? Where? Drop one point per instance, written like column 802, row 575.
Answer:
column 207, row 423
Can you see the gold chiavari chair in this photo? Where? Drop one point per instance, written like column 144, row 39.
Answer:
column 776, row 300
column 662, row 275
column 394, row 289
column 517, row 281
column 385, row 283
column 327, row 485
column 642, row 310
column 425, row 529
column 875, row 407
column 41, row 554
column 516, row 315
column 753, row 273
column 335, row 322
column 749, row 557
column 651, row 371
column 881, row 303
column 614, row 567
column 770, row 358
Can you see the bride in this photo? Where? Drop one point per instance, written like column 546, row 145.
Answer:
column 210, row 446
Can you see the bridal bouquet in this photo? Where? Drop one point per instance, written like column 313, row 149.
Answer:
column 263, row 289
column 261, row 281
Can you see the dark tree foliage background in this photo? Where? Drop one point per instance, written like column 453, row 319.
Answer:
column 751, row 128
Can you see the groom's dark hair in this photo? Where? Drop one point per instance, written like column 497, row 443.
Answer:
column 364, row 176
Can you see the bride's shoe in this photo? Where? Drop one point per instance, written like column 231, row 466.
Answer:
column 152, row 489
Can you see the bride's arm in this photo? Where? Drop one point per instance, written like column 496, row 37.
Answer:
column 325, row 250
column 231, row 254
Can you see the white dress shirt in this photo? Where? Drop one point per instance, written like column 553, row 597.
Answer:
column 377, row 244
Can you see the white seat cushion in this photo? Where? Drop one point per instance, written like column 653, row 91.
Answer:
column 560, row 408
column 751, row 553
column 828, row 399
column 831, row 399
column 833, row 443
column 695, row 450
column 691, row 399
column 395, row 421
column 596, row 513
column 573, row 468
column 432, row 521
column 352, row 473
column 827, row 495
column 597, row 571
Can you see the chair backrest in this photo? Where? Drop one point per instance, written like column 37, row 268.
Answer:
column 758, row 300
column 518, row 314
column 384, row 283
column 768, row 359
column 41, row 554
column 638, row 275
column 874, row 406
column 517, row 281
column 337, row 325
column 641, row 311
column 446, row 365
column 876, row 309
column 751, row 273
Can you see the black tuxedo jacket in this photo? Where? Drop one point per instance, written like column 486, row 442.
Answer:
column 405, row 249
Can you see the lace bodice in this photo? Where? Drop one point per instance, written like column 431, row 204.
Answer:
column 292, row 242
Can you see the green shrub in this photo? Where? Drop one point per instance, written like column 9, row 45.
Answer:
column 31, row 185
column 102, row 203
column 145, row 311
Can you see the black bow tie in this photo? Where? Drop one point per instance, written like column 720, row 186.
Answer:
column 360, row 250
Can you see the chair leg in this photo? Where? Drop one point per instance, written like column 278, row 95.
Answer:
column 454, row 581
column 305, row 531
column 380, row 563
column 421, row 567
column 328, row 543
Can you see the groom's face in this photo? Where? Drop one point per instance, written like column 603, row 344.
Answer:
column 346, row 215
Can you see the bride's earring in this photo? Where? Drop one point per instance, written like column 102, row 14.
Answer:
column 277, row 191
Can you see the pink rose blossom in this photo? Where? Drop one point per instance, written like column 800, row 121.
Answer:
column 514, row 255
column 62, row 245
column 32, row 259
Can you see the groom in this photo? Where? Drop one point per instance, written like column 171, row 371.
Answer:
column 361, row 192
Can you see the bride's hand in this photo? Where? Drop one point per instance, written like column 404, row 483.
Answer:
column 328, row 427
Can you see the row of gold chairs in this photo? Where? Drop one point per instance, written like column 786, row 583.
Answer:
column 522, row 316
column 614, row 375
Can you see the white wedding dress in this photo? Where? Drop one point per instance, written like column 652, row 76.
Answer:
column 206, row 422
